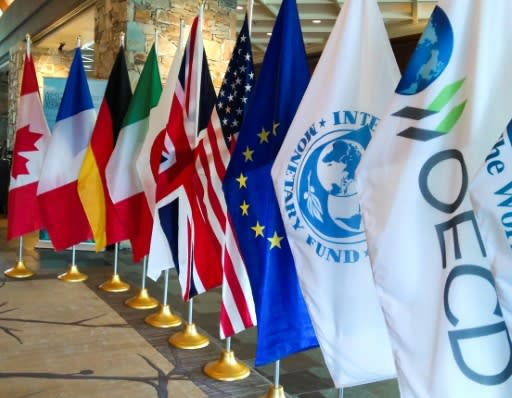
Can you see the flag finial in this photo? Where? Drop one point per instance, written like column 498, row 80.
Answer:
column 29, row 43
column 121, row 39
column 78, row 39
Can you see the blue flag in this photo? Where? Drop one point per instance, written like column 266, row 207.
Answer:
column 284, row 326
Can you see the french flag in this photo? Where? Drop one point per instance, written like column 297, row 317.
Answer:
column 60, row 205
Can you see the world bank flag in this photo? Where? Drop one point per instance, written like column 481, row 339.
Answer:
column 284, row 326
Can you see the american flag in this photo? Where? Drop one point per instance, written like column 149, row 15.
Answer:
column 236, row 86
column 194, row 160
column 237, row 308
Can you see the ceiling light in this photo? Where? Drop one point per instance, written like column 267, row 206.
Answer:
column 269, row 33
column 239, row 8
column 316, row 21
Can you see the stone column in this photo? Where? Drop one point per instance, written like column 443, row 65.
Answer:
column 140, row 18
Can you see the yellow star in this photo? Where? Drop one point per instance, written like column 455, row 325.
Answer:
column 245, row 208
column 242, row 180
column 258, row 229
column 275, row 241
column 263, row 135
column 248, row 154
column 274, row 128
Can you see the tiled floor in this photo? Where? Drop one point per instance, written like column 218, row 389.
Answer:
column 302, row 375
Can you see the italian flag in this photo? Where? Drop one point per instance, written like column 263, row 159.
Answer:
column 123, row 183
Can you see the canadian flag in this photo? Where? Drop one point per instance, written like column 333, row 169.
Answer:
column 32, row 135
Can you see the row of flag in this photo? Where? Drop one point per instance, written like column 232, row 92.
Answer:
column 333, row 211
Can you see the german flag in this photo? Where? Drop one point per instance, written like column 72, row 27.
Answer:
column 92, row 187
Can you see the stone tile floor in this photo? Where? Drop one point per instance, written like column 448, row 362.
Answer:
column 303, row 375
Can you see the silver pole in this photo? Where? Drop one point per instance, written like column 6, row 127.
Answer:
column 250, row 6
column 20, row 250
column 340, row 395
column 276, row 373
column 166, row 286
column 228, row 344
column 116, row 250
column 73, row 254
column 144, row 262
column 29, row 45
column 190, row 305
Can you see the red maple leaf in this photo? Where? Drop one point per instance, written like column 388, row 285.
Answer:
column 25, row 142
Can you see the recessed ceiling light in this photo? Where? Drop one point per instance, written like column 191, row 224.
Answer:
column 269, row 33
column 316, row 21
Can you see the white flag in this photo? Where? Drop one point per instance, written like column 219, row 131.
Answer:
column 430, row 266
column 491, row 193
column 314, row 180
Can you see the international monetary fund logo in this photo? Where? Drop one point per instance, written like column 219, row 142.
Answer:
column 320, row 191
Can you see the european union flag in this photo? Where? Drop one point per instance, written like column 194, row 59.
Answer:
column 284, row 326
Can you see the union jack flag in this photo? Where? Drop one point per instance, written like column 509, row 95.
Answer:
column 193, row 164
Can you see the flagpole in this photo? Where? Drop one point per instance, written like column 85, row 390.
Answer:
column 164, row 318
column 189, row 338
column 115, row 284
column 250, row 6
column 142, row 301
column 276, row 390
column 19, row 271
column 73, row 274
column 341, row 393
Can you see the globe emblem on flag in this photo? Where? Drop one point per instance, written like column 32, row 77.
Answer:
column 326, row 189
column 431, row 56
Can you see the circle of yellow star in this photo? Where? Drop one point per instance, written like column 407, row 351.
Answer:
column 263, row 135
column 248, row 154
column 245, row 208
column 258, row 229
column 242, row 180
column 275, row 241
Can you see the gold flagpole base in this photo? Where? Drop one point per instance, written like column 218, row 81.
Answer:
column 163, row 318
column 227, row 368
column 275, row 392
column 189, row 338
column 72, row 275
column 114, row 285
column 19, row 271
column 142, row 301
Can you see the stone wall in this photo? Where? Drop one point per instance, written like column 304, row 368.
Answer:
column 140, row 18
column 48, row 63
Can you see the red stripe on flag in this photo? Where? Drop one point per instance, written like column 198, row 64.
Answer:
column 236, row 290
column 137, row 223
column 64, row 216
column 225, row 322
column 23, row 211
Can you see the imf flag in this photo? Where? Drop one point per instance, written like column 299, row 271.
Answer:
column 314, row 180
column 431, row 268
column 284, row 326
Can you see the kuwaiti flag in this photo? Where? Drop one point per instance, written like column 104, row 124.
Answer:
column 31, row 140
column 314, row 180
column 431, row 269
column 123, row 182
column 61, row 209
column 105, row 224
column 491, row 194
column 148, row 163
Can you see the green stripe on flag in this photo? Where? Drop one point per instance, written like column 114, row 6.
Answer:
column 147, row 93
column 445, row 96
